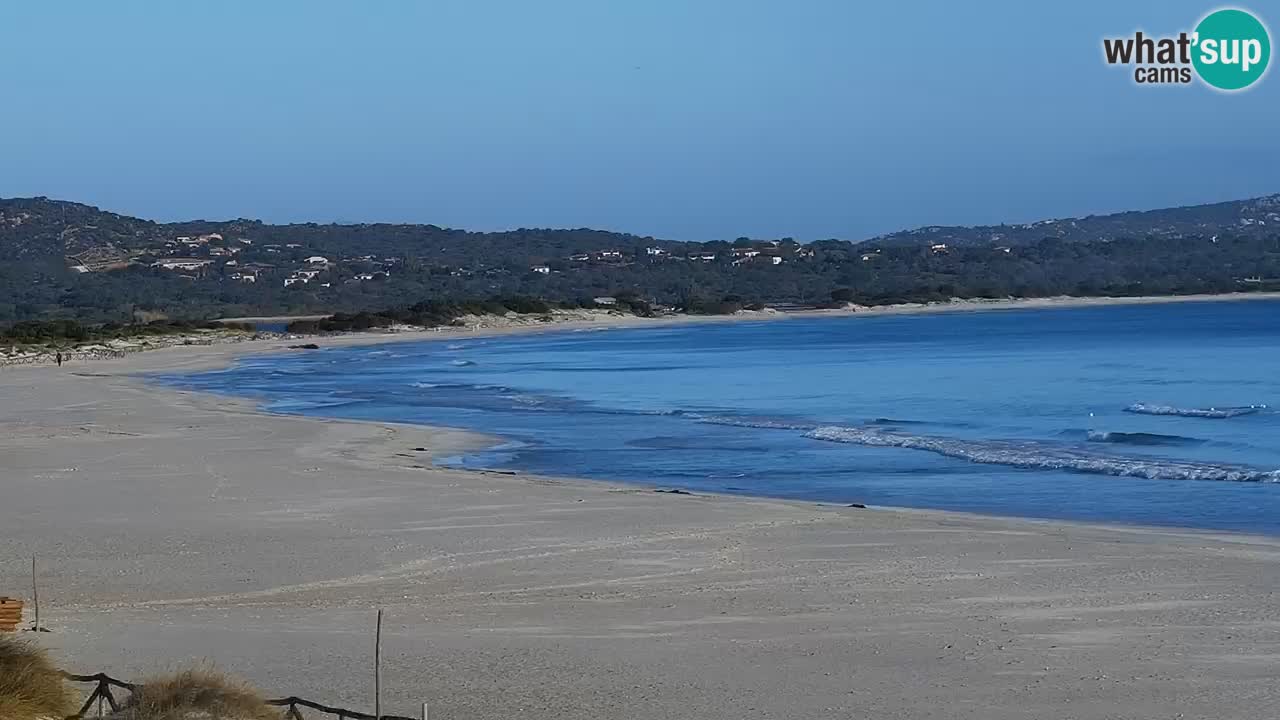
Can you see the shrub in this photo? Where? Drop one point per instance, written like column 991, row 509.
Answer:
column 196, row 693
column 30, row 686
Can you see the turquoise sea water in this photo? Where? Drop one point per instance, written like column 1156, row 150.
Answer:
column 1142, row 414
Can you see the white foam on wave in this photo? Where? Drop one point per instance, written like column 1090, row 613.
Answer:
column 1213, row 412
column 1039, row 456
column 293, row 405
column 523, row 399
column 763, row 423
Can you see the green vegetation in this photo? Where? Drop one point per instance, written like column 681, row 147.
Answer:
column 423, row 314
column 60, row 332
column 65, row 261
column 31, row 688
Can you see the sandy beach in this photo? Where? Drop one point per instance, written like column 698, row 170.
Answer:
column 563, row 320
column 175, row 527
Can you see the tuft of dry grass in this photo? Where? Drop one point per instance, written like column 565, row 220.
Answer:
column 31, row 688
column 197, row 693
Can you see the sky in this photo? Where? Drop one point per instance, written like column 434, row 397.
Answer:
column 680, row 119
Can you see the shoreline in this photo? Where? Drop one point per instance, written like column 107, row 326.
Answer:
column 174, row 524
column 911, row 308
column 477, row 441
column 461, row 440
column 464, row 441
column 1062, row 302
column 603, row 320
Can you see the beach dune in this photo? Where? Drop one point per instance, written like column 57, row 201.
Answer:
column 174, row 527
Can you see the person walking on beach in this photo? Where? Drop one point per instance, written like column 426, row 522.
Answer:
column 59, row 358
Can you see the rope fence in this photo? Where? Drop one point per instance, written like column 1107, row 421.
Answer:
column 293, row 703
column 101, row 692
column 102, row 698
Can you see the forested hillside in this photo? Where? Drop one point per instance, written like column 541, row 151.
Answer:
column 67, row 260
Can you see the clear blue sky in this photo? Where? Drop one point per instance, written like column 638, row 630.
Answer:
column 685, row 119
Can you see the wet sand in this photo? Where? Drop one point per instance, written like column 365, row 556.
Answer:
column 174, row 527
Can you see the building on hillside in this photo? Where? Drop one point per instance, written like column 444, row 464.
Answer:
column 759, row 258
column 184, row 264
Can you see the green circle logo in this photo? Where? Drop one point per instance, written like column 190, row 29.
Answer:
column 1232, row 48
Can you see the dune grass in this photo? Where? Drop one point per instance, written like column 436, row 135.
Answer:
column 201, row 693
column 31, row 687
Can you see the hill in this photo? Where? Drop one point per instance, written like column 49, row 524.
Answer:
column 74, row 261
column 1255, row 216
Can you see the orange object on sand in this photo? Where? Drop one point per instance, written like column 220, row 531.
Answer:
column 10, row 614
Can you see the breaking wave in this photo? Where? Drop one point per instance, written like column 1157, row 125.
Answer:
column 457, row 386
column 746, row 421
column 1041, row 456
column 305, row 404
column 1140, row 438
column 1224, row 412
column 525, row 399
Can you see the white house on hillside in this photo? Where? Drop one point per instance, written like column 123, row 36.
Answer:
column 182, row 263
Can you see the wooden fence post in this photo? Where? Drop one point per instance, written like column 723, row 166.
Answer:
column 377, row 668
column 35, row 593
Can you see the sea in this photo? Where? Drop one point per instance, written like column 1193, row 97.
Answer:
column 1164, row 415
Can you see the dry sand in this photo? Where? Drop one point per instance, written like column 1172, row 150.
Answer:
column 560, row 320
column 174, row 527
